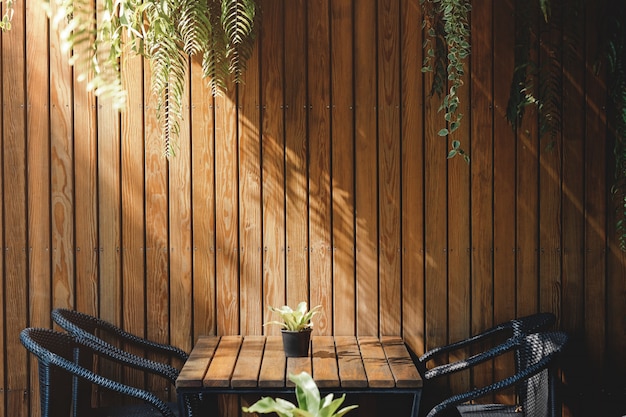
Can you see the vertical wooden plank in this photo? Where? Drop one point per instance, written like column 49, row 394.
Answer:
column 250, row 230
column 272, row 153
column 412, row 177
column 86, row 194
column 14, row 200
column 203, row 198
column 296, row 145
column 366, row 191
column 527, row 183
column 389, row 165
column 504, row 167
column 38, row 192
column 482, row 201
column 321, row 253
column 3, row 368
column 226, row 209
column 180, row 233
column 595, row 203
column 435, row 220
column 343, row 198
column 109, row 195
column 132, row 206
column 573, row 226
column 550, row 198
column 61, row 173
column 156, row 228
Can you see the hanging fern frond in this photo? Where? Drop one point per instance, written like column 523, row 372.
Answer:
column 167, row 33
column 238, row 20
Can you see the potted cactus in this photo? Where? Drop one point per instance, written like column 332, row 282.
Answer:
column 296, row 327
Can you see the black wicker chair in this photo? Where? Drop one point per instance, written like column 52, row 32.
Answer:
column 98, row 331
column 66, row 378
column 433, row 392
column 533, row 380
column 514, row 328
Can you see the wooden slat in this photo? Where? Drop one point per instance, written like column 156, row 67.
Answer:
column 343, row 198
column 274, row 363
column 296, row 144
column 296, row 365
column 528, row 199
column 504, row 155
column 375, row 362
column 351, row 369
column 180, row 234
column 402, row 366
column 39, row 203
column 413, row 190
column 250, row 224
column 482, row 186
column 198, row 362
column 325, row 371
column 319, row 119
column 246, row 373
column 203, row 200
column 273, row 156
column 365, row 174
column 223, row 364
column 14, row 225
column 389, row 166
column 226, row 212
column 595, row 204
column 156, row 218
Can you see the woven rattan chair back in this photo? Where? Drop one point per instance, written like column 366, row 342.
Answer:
column 67, row 381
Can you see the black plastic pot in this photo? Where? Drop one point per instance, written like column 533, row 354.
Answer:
column 296, row 343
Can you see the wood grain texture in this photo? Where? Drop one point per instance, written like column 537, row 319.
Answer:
column 321, row 178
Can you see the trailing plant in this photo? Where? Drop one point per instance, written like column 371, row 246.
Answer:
column 310, row 402
column 5, row 23
column 166, row 33
column 615, row 52
column 295, row 320
column 447, row 25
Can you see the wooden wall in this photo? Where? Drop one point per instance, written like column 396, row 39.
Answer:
column 321, row 178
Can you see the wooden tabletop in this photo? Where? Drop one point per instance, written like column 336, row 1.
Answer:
column 334, row 362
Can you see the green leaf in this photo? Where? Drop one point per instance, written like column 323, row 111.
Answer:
column 443, row 132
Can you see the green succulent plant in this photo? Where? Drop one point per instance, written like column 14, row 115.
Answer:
column 310, row 402
column 295, row 320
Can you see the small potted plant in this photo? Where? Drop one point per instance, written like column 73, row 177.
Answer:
column 296, row 328
column 310, row 403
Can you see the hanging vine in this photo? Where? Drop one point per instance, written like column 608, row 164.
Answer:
column 447, row 46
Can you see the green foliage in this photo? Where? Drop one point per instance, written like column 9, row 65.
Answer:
column 615, row 52
column 295, row 320
column 447, row 24
column 5, row 23
column 166, row 33
column 310, row 403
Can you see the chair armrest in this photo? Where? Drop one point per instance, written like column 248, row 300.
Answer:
column 460, row 365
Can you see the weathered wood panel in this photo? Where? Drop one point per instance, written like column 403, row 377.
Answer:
column 321, row 178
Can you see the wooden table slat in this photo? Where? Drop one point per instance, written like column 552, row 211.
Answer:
column 199, row 360
column 379, row 374
column 325, row 372
column 274, row 363
column 297, row 365
column 402, row 366
column 351, row 370
column 221, row 368
column 246, row 373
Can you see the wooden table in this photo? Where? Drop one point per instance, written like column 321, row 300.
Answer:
column 339, row 364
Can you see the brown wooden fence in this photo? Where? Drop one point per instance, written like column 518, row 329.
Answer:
column 320, row 178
